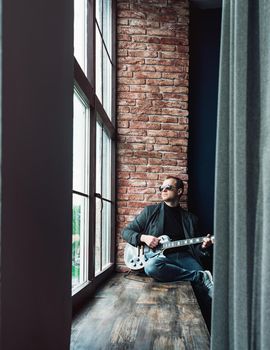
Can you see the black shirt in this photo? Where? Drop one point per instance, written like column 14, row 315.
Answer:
column 173, row 225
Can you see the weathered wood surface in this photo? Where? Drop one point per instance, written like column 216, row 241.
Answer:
column 139, row 313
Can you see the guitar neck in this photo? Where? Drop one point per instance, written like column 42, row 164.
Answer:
column 182, row 242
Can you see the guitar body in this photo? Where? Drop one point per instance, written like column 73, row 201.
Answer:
column 136, row 257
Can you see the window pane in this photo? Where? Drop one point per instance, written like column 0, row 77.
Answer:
column 80, row 145
column 98, row 158
column 80, row 32
column 107, row 83
column 99, row 12
column 106, row 160
column 107, row 25
column 79, row 240
column 98, row 65
column 98, row 236
column 106, row 234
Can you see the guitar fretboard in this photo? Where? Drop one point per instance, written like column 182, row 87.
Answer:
column 182, row 242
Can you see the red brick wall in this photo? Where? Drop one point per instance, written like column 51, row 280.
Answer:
column 152, row 103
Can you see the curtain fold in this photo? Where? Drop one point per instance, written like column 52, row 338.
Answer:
column 241, row 304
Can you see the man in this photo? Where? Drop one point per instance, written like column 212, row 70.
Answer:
column 168, row 218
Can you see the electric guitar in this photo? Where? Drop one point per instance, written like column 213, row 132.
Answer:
column 136, row 257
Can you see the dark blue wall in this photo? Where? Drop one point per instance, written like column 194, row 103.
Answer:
column 204, row 68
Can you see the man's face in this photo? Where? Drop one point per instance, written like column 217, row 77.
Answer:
column 170, row 195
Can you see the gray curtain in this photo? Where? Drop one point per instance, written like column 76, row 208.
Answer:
column 241, row 304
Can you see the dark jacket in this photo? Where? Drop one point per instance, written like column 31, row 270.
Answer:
column 151, row 222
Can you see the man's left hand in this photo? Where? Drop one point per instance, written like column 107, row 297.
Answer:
column 207, row 242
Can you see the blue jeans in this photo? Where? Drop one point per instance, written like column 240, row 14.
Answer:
column 176, row 266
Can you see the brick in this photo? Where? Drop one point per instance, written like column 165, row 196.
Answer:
column 168, row 148
column 132, row 160
column 172, row 96
column 147, row 75
column 130, row 182
column 173, row 75
column 130, row 60
column 163, row 119
column 127, row 45
column 142, row 53
column 161, row 32
column 180, row 82
column 173, row 111
column 124, row 74
column 170, row 55
column 124, row 167
column 131, row 81
column 123, row 88
column 169, row 104
column 132, row 197
column 124, row 37
column 162, row 18
column 152, row 197
column 154, row 96
column 122, row 6
column 125, row 211
column 130, row 116
column 143, row 103
column 179, row 127
column 145, row 139
column 144, row 39
column 122, row 175
column 141, row 110
column 153, row 169
column 174, row 155
column 124, row 152
column 122, row 109
column 149, row 126
column 149, row 147
column 140, row 205
column 125, row 102
column 174, row 89
column 159, row 47
column 170, row 68
column 141, row 68
column 146, row 154
column 144, row 88
column 130, row 14
column 144, row 23
column 181, row 170
column 122, row 21
column 160, row 82
column 134, row 132
column 142, row 176
column 162, row 133
column 141, row 189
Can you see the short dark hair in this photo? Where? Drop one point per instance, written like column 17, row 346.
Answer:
column 179, row 182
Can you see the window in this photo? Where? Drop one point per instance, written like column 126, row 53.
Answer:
column 104, row 54
column 80, row 33
column 80, row 218
column 103, row 200
column 93, row 144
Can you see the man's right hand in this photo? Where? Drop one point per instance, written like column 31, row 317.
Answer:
column 151, row 241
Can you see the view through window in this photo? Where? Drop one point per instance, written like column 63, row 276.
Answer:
column 93, row 141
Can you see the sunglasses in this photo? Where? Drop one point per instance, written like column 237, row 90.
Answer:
column 167, row 187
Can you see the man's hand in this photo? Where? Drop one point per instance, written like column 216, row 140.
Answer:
column 207, row 242
column 151, row 241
